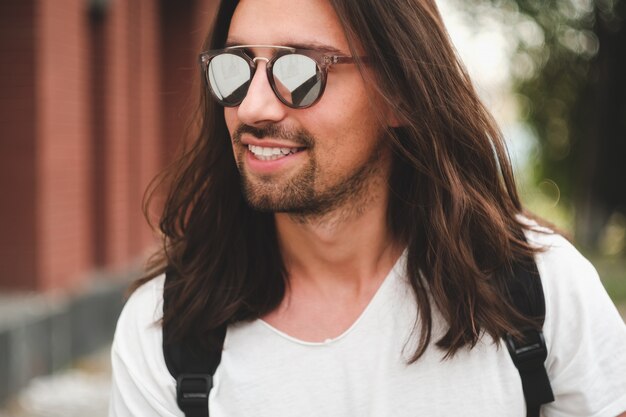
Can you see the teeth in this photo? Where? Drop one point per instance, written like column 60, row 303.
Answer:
column 270, row 154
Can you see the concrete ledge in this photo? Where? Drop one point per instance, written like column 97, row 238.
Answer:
column 42, row 334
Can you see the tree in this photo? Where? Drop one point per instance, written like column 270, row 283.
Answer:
column 570, row 70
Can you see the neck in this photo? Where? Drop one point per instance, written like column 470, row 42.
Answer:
column 349, row 248
column 335, row 263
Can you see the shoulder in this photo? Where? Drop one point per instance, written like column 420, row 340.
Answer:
column 140, row 377
column 138, row 334
column 571, row 285
column 585, row 334
column 569, row 280
column 563, row 269
column 559, row 261
column 143, row 310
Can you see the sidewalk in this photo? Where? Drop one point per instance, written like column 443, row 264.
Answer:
column 43, row 337
column 80, row 391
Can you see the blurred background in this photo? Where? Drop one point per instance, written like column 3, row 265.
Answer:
column 95, row 98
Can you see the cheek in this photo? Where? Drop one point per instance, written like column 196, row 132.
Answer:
column 353, row 108
column 359, row 127
column 350, row 144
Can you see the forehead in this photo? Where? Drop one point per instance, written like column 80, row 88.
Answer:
column 285, row 22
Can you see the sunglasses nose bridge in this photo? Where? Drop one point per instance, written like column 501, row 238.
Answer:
column 255, row 66
column 260, row 85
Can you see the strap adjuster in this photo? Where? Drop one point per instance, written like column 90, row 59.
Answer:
column 530, row 353
column 192, row 390
column 528, row 357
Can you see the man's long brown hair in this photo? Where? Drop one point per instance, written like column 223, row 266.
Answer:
column 453, row 200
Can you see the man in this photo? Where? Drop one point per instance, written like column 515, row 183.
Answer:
column 348, row 213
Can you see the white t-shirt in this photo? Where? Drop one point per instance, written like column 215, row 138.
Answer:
column 363, row 372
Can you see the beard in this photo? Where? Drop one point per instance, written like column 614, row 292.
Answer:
column 298, row 195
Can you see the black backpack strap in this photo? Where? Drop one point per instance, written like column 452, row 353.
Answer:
column 192, row 365
column 529, row 355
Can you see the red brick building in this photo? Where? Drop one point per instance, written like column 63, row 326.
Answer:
column 94, row 97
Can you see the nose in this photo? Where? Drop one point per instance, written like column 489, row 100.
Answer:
column 260, row 105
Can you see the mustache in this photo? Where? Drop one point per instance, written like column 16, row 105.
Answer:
column 301, row 137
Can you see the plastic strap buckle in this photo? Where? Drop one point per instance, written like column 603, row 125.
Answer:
column 192, row 391
column 529, row 354
column 529, row 357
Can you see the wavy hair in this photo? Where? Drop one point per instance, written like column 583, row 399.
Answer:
column 453, row 200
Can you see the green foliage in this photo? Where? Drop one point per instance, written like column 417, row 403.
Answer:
column 612, row 270
column 555, row 43
column 567, row 68
column 556, row 87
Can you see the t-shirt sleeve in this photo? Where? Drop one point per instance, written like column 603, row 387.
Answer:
column 141, row 383
column 585, row 336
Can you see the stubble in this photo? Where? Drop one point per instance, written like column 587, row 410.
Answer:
column 297, row 196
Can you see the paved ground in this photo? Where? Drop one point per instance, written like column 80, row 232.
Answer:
column 78, row 392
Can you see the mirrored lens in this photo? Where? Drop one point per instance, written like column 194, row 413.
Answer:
column 298, row 79
column 229, row 78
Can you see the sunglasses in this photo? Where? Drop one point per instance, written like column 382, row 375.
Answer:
column 297, row 76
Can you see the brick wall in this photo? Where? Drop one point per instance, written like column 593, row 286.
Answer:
column 18, row 127
column 147, row 128
column 116, row 63
column 62, row 143
column 90, row 106
column 184, row 28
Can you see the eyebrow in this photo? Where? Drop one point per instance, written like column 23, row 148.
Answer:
column 298, row 45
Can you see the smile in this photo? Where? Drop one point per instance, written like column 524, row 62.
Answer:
column 270, row 154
